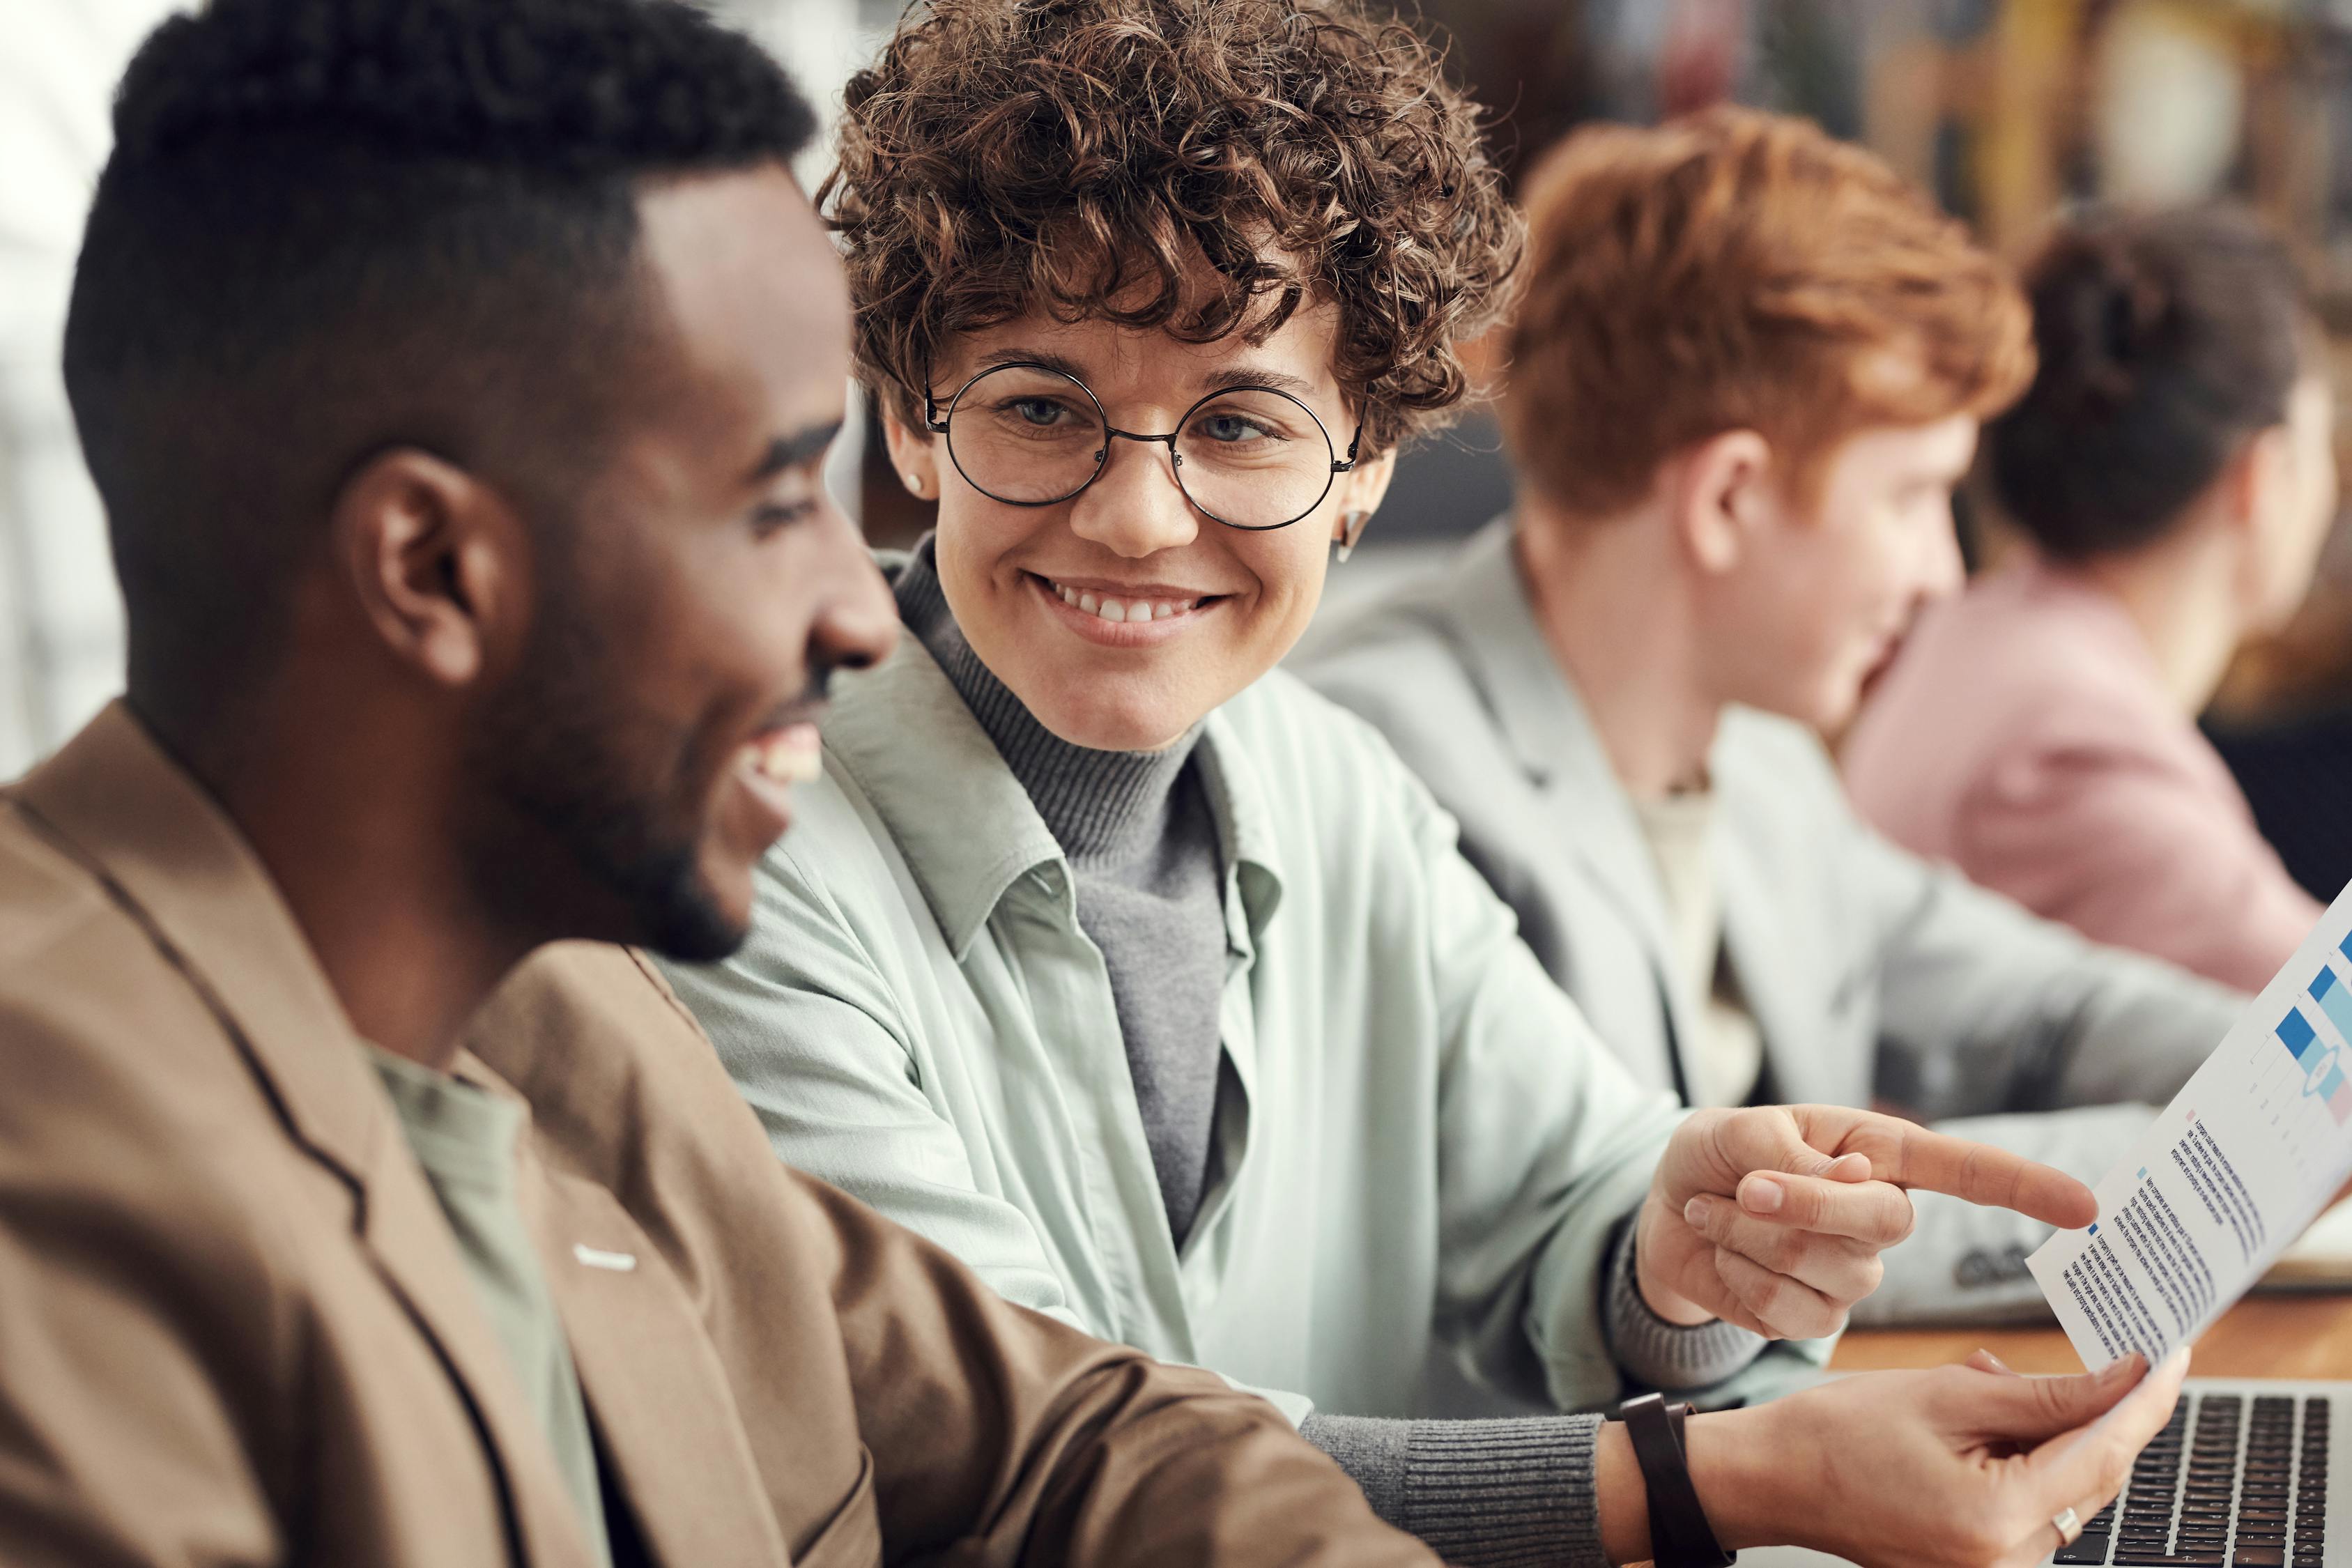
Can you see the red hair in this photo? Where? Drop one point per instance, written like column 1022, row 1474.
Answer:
column 1740, row 270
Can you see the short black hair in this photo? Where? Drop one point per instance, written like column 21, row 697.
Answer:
column 2165, row 340
column 331, row 226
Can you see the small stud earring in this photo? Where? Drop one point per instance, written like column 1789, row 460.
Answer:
column 914, row 483
column 1352, row 529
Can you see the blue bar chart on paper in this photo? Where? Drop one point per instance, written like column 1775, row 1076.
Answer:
column 2319, row 1059
column 2229, row 1173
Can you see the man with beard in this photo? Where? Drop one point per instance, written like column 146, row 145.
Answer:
column 456, row 375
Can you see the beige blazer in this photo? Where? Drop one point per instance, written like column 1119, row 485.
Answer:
column 234, row 1328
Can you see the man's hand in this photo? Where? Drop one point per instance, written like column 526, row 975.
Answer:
column 1965, row 1466
column 1773, row 1218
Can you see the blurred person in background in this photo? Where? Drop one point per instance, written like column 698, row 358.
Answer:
column 1152, row 984
column 1744, row 377
column 2173, row 473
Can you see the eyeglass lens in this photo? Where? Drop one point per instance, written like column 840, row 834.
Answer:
column 1251, row 457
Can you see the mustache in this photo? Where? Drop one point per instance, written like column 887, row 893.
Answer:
column 806, row 708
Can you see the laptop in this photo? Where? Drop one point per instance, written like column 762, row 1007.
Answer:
column 2321, row 1258
column 2239, row 1479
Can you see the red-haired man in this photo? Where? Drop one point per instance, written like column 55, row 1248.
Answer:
column 1746, row 374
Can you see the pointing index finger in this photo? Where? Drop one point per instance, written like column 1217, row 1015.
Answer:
column 1981, row 1173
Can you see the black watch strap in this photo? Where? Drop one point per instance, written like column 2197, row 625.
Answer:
column 1680, row 1536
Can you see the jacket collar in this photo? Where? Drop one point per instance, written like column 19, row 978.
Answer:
column 962, row 821
column 967, row 828
column 1482, row 608
column 1245, row 831
column 175, row 863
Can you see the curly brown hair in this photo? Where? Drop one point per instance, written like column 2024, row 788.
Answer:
column 1079, row 156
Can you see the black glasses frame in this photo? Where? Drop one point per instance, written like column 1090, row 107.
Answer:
column 936, row 423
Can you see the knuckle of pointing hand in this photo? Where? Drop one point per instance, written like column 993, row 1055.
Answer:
column 1805, row 1207
column 1780, row 1251
column 1796, row 1313
column 1759, row 1291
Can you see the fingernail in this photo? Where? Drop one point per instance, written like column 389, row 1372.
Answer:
column 1698, row 1211
column 2122, row 1367
column 2177, row 1360
column 1762, row 1194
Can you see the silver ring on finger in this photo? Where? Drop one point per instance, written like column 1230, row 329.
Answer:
column 2069, row 1527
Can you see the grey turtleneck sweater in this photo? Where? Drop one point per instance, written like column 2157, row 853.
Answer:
column 1146, row 863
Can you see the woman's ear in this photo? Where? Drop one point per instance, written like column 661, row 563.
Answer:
column 914, row 454
column 2275, row 525
column 1361, row 490
column 1723, row 498
column 2252, row 482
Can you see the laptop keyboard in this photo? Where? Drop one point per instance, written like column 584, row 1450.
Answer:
column 2230, row 1482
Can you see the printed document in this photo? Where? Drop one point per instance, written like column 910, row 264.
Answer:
column 2237, row 1166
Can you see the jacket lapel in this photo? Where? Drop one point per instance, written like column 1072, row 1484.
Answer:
column 175, row 863
column 666, row 1422
column 1793, row 1034
column 1483, row 610
column 1779, row 889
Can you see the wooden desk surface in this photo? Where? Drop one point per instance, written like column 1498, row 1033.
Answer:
column 2262, row 1336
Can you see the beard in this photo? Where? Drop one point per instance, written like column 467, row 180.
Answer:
column 608, row 794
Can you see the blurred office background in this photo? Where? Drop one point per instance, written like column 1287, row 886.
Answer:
column 2009, row 110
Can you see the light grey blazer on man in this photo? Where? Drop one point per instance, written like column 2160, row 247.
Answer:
column 1872, row 974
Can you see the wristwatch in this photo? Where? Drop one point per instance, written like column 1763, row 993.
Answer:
column 1680, row 1536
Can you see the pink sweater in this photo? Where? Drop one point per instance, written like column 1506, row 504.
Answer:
column 2025, row 737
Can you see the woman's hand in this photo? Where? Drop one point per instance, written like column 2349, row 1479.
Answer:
column 1773, row 1218
column 1964, row 1467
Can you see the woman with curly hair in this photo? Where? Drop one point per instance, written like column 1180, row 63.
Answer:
column 1154, row 987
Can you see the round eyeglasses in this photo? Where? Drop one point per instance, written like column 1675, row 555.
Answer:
column 1248, row 457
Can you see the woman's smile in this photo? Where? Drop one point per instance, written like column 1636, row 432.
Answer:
column 1146, row 616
